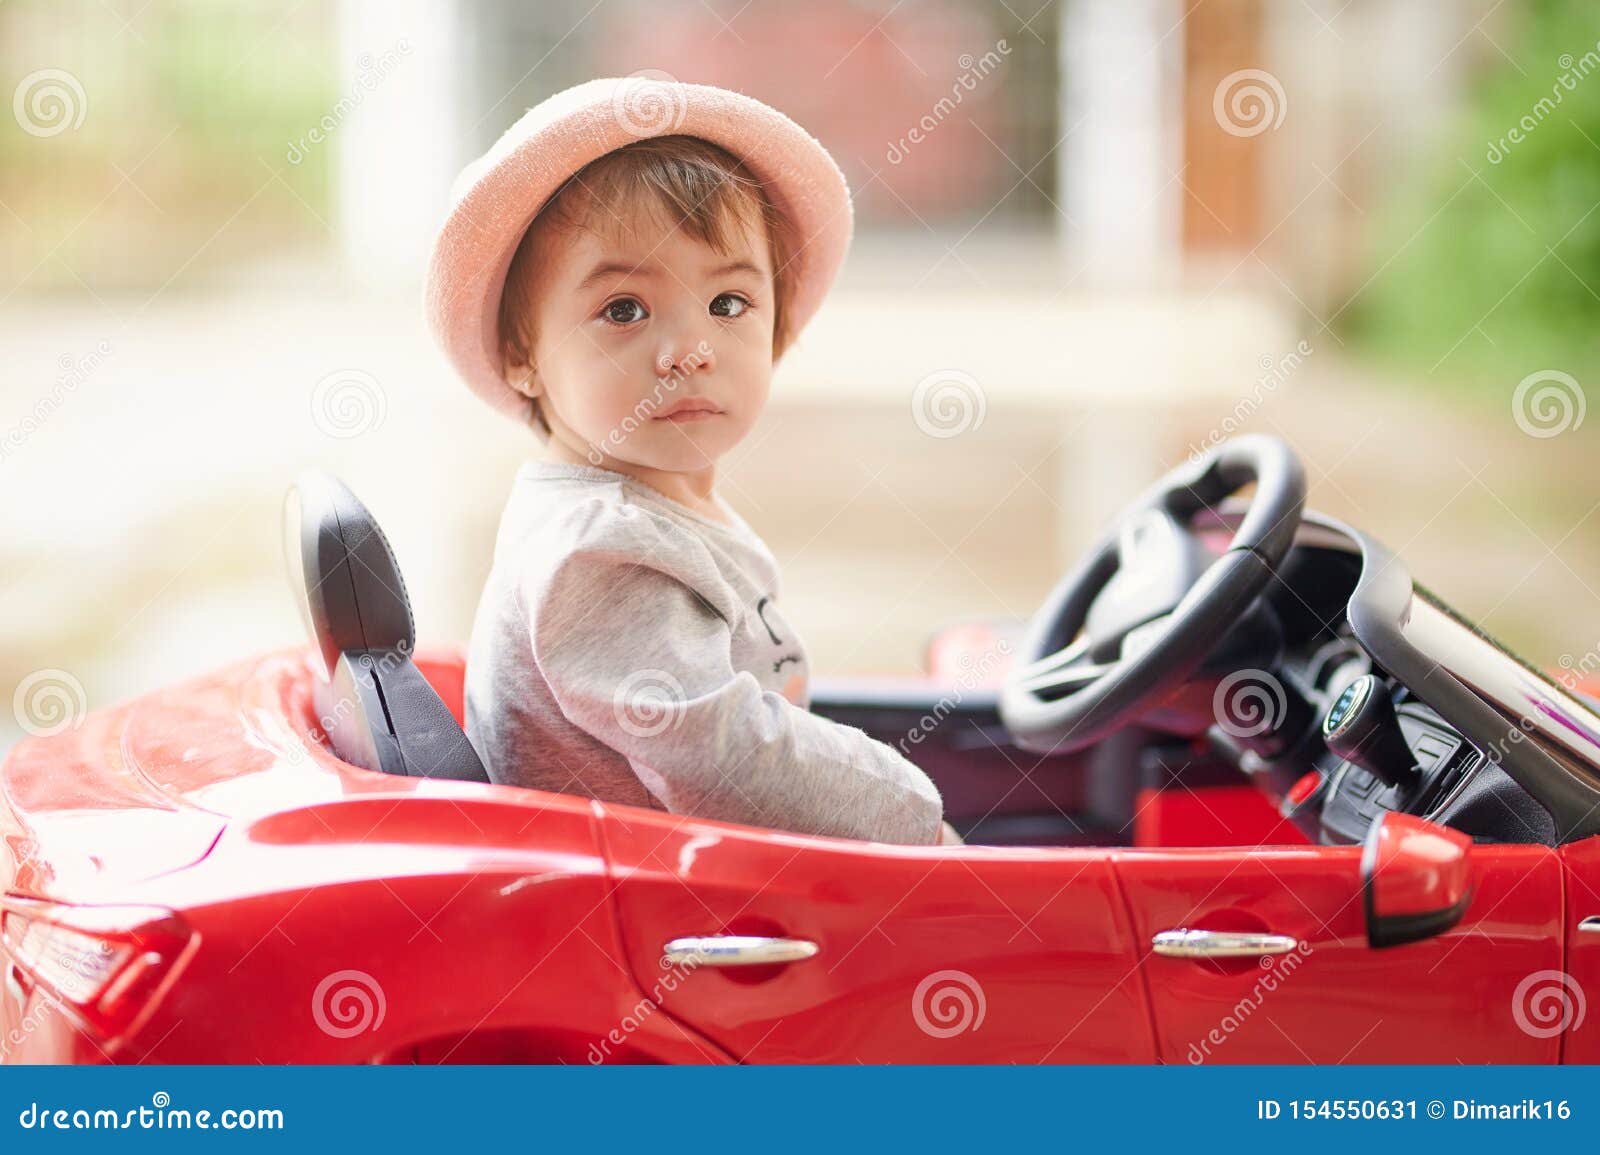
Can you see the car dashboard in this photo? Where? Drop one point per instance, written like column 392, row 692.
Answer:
column 1469, row 735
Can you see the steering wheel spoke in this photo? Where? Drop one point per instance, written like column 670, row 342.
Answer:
column 1062, row 659
column 1068, row 679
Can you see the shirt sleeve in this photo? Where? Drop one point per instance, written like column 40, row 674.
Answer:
column 629, row 635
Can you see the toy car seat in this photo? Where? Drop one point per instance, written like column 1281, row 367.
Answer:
column 378, row 710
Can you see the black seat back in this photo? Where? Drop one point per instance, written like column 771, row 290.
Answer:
column 376, row 707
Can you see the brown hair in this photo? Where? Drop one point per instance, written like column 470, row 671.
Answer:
column 702, row 187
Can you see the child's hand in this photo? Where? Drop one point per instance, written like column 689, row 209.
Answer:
column 948, row 835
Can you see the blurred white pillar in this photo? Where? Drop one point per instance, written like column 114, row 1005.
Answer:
column 399, row 140
column 404, row 137
column 1118, row 165
column 1119, row 171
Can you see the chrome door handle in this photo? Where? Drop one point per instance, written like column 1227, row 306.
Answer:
column 736, row 950
column 1188, row 943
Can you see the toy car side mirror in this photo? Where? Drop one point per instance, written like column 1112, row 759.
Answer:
column 1415, row 879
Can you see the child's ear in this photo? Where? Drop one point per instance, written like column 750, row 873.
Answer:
column 525, row 380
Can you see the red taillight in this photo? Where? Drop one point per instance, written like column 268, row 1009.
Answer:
column 104, row 964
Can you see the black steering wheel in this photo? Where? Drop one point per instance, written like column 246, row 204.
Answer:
column 1148, row 602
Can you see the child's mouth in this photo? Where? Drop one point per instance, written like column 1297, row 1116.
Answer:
column 689, row 409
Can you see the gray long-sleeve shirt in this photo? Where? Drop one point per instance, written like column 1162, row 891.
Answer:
column 630, row 649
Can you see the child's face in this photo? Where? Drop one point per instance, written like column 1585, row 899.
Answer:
column 652, row 348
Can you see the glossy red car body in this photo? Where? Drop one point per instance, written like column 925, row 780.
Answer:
column 226, row 890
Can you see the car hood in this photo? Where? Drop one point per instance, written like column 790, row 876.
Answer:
column 147, row 787
column 76, row 816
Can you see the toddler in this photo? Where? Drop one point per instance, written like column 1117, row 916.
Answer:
column 621, row 270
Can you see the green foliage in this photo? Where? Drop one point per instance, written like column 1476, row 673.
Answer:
column 187, row 110
column 1488, row 266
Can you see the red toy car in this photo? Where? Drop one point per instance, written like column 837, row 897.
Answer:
column 1248, row 794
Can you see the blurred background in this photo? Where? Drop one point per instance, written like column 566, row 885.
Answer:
column 1094, row 237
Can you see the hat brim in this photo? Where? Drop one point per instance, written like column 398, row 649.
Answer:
column 498, row 195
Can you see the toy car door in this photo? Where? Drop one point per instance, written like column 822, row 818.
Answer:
column 833, row 951
column 1466, row 994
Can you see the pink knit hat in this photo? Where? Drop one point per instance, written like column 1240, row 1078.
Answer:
column 497, row 196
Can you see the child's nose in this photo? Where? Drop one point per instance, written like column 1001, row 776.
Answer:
column 683, row 355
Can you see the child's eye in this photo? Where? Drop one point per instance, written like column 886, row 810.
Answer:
column 623, row 311
column 728, row 305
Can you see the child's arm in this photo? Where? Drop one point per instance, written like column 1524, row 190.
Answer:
column 639, row 659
